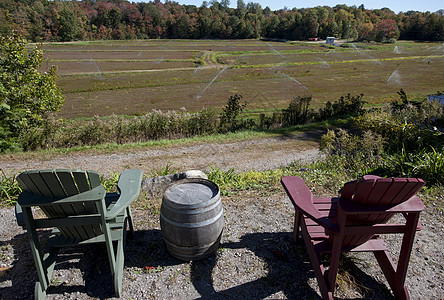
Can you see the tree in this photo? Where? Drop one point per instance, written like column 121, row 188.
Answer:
column 68, row 25
column 386, row 29
column 26, row 94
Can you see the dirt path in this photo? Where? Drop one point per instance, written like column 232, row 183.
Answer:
column 257, row 154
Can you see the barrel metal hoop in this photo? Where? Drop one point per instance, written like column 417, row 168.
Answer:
column 192, row 211
column 193, row 225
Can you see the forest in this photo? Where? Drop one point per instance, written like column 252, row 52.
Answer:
column 44, row 20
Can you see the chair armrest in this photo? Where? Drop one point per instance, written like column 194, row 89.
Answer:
column 302, row 199
column 27, row 199
column 414, row 204
column 128, row 185
column 19, row 216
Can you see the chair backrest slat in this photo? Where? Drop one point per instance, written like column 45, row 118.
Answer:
column 41, row 188
column 53, row 183
column 27, row 184
column 67, row 180
column 81, row 180
column 379, row 191
column 94, row 178
column 363, row 191
column 62, row 183
column 376, row 191
column 410, row 188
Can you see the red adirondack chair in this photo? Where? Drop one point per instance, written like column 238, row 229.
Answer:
column 354, row 221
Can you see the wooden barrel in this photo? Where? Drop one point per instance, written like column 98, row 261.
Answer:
column 191, row 218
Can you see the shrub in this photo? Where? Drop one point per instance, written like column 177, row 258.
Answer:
column 357, row 153
column 408, row 127
column 405, row 101
column 58, row 133
column 391, row 142
column 229, row 118
column 427, row 164
column 345, row 105
column 297, row 112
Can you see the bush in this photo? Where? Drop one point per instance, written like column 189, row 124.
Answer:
column 410, row 127
column 229, row 118
column 59, row 133
column 391, row 142
column 356, row 153
column 345, row 105
column 297, row 112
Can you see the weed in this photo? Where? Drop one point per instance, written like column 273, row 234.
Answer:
column 9, row 188
column 110, row 183
column 167, row 170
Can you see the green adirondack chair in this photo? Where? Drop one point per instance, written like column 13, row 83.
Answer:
column 80, row 211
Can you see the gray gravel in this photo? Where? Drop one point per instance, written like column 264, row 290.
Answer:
column 257, row 260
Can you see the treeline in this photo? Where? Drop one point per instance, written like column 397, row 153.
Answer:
column 118, row 19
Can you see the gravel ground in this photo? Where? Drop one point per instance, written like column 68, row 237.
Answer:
column 257, row 258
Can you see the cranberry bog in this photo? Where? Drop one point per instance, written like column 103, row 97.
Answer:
column 135, row 77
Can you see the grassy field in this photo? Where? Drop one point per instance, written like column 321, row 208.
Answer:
column 135, row 77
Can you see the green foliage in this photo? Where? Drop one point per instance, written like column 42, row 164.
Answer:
column 9, row 188
column 409, row 127
column 231, row 181
column 297, row 112
column 229, row 120
column 345, row 105
column 405, row 101
column 26, row 94
column 110, row 183
column 167, row 170
column 427, row 164
column 400, row 142
column 59, row 133
column 357, row 154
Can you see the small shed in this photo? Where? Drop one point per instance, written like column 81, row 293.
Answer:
column 330, row 40
column 437, row 97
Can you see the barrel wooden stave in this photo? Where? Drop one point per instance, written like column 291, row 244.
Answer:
column 191, row 219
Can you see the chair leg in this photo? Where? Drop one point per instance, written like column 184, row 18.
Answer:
column 130, row 220
column 395, row 275
column 39, row 293
column 318, row 268
column 297, row 222
column 388, row 268
column 334, row 261
column 48, row 263
column 39, row 257
column 118, row 275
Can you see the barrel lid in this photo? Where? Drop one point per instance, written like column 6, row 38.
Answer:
column 191, row 192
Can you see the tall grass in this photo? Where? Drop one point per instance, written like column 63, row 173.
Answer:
column 9, row 188
column 59, row 133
